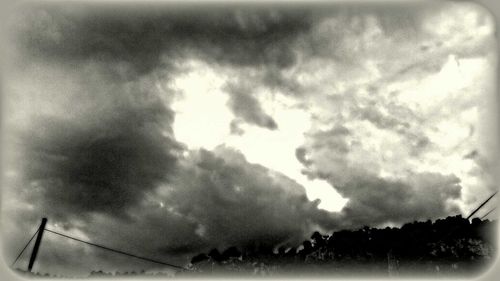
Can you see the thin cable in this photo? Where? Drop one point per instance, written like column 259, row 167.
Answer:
column 477, row 209
column 480, row 206
column 26, row 246
column 116, row 251
column 488, row 213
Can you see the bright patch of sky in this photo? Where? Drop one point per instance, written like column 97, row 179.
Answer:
column 202, row 121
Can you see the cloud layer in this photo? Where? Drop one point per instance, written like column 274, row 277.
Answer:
column 92, row 145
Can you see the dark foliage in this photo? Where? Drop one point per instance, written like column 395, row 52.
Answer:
column 445, row 246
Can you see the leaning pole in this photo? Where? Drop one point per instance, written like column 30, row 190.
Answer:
column 37, row 244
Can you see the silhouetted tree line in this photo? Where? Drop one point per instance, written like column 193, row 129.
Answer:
column 450, row 245
column 446, row 246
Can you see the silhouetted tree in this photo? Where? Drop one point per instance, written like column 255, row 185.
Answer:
column 199, row 258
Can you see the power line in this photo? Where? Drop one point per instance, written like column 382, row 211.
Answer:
column 488, row 213
column 477, row 209
column 116, row 251
column 480, row 206
column 26, row 246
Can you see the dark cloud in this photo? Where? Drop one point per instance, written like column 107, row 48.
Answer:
column 101, row 142
column 146, row 38
column 216, row 199
column 375, row 200
column 105, row 161
column 334, row 139
column 93, row 148
column 134, row 42
column 238, row 203
column 245, row 106
column 100, row 160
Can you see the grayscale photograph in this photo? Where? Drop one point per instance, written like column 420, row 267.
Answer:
column 250, row 140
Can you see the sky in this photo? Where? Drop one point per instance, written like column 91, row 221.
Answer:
column 169, row 130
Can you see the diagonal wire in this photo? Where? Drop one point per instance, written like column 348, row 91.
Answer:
column 116, row 251
column 489, row 212
column 26, row 246
column 480, row 206
column 452, row 230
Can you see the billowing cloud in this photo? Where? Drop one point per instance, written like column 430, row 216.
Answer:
column 97, row 152
column 238, row 203
column 215, row 199
column 247, row 107
column 354, row 170
column 146, row 38
column 92, row 147
column 104, row 166
column 218, row 199
column 377, row 201
column 381, row 124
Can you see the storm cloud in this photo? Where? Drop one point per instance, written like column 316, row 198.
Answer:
column 239, row 203
column 146, row 38
column 98, row 147
column 90, row 122
column 352, row 167
column 101, row 167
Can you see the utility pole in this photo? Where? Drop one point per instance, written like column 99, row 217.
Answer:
column 37, row 244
